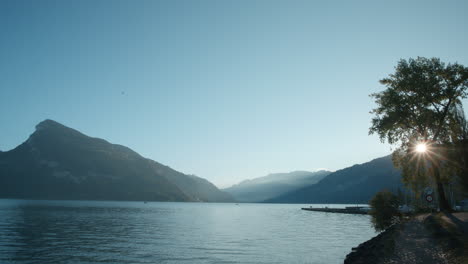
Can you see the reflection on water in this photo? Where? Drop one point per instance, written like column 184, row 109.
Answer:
column 135, row 232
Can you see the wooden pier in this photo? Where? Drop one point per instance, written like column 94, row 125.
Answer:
column 347, row 210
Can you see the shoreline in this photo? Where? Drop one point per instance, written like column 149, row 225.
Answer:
column 428, row 238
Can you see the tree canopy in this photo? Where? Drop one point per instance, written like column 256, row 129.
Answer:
column 418, row 99
column 419, row 105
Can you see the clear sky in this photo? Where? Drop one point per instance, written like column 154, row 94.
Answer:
column 226, row 90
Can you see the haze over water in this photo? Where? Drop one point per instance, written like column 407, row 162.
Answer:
column 137, row 232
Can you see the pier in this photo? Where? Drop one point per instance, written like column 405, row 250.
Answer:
column 346, row 210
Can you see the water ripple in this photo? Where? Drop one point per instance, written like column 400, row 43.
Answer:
column 134, row 232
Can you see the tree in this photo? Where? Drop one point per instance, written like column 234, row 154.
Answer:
column 416, row 107
column 459, row 148
column 384, row 210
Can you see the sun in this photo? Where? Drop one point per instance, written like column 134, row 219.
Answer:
column 421, row 148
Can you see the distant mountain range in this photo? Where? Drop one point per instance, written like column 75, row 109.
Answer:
column 356, row 184
column 273, row 185
column 57, row 162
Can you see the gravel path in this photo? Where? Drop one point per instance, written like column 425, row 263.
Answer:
column 423, row 240
column 426, row 239
column 414, row 244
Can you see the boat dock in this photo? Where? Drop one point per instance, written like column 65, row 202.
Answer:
column 347, row 210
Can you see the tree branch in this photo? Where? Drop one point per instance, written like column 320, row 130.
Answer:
column 439, row 129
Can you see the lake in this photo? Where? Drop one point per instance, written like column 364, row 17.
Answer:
column 159, row 232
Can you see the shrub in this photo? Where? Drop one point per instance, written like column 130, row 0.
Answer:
column 384, row 210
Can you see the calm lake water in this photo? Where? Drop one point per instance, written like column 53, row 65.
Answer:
column 137, row 232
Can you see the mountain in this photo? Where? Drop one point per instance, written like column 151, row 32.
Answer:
column 57, row 162
column 272, row 185
column 356, row 184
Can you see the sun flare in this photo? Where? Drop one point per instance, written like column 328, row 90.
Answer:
column 421, row 148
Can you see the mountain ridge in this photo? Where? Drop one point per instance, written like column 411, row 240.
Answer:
column 59, row 162
column 273, row 184
column 354, row 184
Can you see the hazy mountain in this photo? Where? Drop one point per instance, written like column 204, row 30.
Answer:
column 273, row 185
column 57, row 162
column 356, row 184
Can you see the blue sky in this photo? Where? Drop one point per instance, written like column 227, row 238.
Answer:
column 226, row 90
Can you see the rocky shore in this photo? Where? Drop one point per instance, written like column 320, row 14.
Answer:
column 430, row 238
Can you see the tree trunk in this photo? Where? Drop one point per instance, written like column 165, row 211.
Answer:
column 464, row 164
column 443, row 203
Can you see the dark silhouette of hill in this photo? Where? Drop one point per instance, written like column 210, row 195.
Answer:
column 356, row 184
column 273, row 185
column 57, row 162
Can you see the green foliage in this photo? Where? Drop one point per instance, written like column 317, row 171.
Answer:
column 413, row 170
column 417, row 100
column 458, row 154
column 384, row 210
column 418, row 106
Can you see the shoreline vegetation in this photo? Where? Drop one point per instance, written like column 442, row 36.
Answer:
column 421, row 113
column 425, row 238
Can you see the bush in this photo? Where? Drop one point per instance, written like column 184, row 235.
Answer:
column 384, row 210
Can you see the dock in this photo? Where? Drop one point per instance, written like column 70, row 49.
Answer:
column 348, row 210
